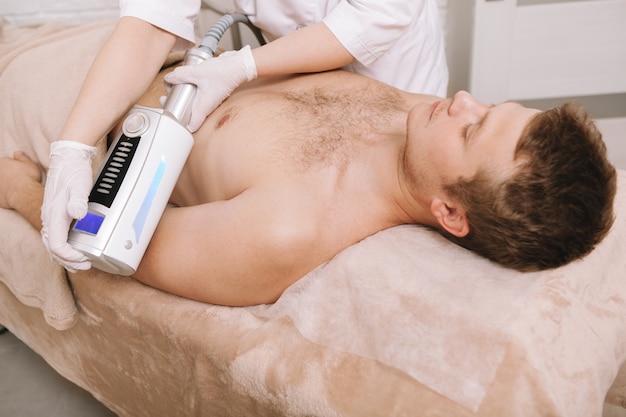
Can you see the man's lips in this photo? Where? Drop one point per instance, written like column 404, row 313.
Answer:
column 433, row 107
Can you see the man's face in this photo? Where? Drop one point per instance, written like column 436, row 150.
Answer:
column 455, row 137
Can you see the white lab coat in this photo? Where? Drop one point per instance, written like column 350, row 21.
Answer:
column 175, row 16
column 399, row 42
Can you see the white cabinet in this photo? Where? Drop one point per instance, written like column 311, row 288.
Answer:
column 532, row 50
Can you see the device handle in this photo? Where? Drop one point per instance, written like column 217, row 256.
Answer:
column 178, row 102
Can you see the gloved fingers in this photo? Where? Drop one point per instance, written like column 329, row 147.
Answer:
column 65, row 197
column 71, row 255
column 229, row 53
column 181, row 75
column 78, row 198
column 195, row 121
column 55, row 228
column 77, row 205
column 61, row 252
column 54, row 233
column 168, row 90
column 216, row 79
column 67, row 200
column 72, row 265
column 204, row 104
column 200, row 109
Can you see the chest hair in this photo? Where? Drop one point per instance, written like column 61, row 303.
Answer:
column 331, row 125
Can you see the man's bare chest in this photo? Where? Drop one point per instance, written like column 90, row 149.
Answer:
column 269, row 136
column 303, row 129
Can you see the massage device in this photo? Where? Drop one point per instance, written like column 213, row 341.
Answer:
column 134, row 184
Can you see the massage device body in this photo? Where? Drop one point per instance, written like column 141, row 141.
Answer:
column 141, row 169
column 133, row 186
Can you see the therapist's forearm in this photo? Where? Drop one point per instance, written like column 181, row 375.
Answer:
column 120, row 73
column 310, row 49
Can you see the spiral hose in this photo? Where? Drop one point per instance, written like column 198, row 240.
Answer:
column 214, row 34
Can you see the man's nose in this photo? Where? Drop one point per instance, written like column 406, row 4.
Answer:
column 463, row 103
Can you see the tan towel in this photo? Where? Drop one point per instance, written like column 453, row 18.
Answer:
column 408, row 311
column 37, row 90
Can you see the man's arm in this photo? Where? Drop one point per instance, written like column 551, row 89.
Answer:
column 21, row 188
column 243, row 251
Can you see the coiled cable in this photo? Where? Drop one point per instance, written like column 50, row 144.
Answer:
column 216, row 31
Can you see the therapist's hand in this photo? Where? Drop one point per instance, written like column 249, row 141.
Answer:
column 65, row 198
column 215, row 78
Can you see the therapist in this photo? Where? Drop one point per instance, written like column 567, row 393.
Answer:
column 397, row 42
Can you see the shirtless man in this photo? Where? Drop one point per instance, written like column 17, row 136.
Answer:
column 288, row 172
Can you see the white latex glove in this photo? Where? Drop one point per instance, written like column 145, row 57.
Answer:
column 65, row 198
column 215, row 78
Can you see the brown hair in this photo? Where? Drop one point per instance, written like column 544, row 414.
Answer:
column 556, row 206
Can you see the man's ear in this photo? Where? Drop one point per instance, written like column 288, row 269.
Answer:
column 450, row 217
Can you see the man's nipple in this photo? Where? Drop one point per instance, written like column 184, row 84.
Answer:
column 222, row 121
column 227, row 116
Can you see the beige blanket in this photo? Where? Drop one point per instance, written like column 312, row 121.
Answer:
column 405, row 298
column 37, row 88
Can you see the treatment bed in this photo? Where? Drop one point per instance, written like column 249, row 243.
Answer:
column 404, row 323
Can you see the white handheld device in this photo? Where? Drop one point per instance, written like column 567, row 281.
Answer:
column 136, row 180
